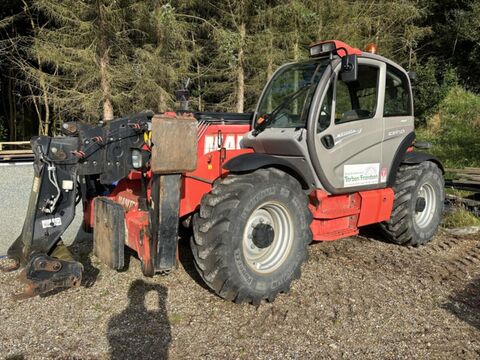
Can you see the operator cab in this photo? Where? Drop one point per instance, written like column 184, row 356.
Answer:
column 343, row 118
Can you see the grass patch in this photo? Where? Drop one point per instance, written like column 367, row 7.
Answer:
column 455, row 130
column 459, row 217
column 458, row 192
column 175, row 319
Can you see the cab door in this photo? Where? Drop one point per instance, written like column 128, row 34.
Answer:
column 349, row 130
column 398, row 121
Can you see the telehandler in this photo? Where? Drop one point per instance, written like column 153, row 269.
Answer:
column 329, row 149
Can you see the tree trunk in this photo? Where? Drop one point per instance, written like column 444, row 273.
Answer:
column 11, row 105
column 270, row 70
column 45, row 123
column 106, row 91
column 270, row 58
column 241, row 72
column 200, row 102
column 103, row 62
column 162, row 104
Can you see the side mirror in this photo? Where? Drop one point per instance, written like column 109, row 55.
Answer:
column 349, row 71
column 412, row 75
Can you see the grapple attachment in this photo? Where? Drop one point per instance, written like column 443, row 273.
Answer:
column 51, row 209
column 45, row 273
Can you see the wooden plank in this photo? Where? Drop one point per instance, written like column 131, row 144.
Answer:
column 15, row 152
column 14, row 143
column 464, row 201
column 466, row 176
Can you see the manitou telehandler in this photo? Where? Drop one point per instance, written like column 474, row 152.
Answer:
column 329, row 149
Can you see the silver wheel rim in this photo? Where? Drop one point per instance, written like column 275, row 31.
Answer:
column 424, row 217
column 268, row 259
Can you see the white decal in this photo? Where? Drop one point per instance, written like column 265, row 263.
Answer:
column 346, row 134
column 360, row 174
column 239, row 142
column 210, row 144
column 51, row 222
column 230, row 142
column 396, row 132
column 383, row 175
column 36, row 184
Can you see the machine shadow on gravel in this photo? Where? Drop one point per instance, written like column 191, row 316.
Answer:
column 465, row 304
column 142, row 330
column 374, row 232
column 186, row 257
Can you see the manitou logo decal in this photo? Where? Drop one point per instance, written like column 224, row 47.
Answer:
column 229, row 142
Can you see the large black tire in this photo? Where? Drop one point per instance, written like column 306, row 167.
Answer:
column 243, row 217
column 413, row 221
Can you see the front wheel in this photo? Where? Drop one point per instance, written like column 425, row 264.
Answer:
column 418, row 204
column 251, row 235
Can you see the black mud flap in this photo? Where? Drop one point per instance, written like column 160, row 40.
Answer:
column 165, row 212
column 109, row 232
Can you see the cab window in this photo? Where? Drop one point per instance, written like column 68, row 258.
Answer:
column 397, row 94
column 357, row 100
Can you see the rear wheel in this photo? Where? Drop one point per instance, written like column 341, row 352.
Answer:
column 251, row 235
column 418, row 204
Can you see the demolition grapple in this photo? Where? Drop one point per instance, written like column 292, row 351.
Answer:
column 86, row 165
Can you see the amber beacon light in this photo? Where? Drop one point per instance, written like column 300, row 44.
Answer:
column 371, row 48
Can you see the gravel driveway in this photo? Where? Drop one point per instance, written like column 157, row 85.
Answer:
column 357, row 298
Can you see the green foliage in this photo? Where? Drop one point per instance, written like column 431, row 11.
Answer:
column 430, row 88
column 455, row 38
column 79, row 58
column 454, row 130
column 90, row 57
column 460, row 217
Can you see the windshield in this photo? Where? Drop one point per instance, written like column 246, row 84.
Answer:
column 287, row 99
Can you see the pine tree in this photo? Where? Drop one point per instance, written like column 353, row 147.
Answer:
column 162, row 59
column 103, row 57
column 232, row 37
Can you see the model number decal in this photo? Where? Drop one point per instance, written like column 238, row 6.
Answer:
column 360, row 174
column 396, row 132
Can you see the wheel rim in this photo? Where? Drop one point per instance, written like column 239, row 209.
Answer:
column 425, row 216
column 269, row 258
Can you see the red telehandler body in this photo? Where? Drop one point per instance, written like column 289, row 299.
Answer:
column 329, row 149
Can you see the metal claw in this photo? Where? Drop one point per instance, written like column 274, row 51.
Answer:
column 44, row 274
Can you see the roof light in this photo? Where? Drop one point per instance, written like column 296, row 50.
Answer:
column 333, row 46
column 322, row 48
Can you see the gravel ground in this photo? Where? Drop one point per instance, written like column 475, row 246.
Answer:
column 357, row 298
